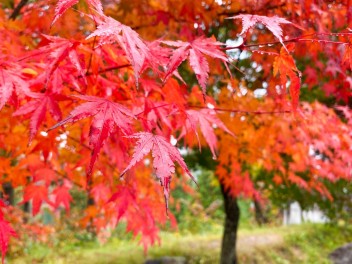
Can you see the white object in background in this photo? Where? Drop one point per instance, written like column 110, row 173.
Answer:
column 294, row 215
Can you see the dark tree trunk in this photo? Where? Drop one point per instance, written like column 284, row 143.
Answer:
column 26, row 209
column 90, row 199
column 259, row 214
column 229, row 239
column 90, row 202
column 9, row 193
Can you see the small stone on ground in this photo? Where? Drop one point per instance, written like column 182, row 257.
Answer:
column 342, row 255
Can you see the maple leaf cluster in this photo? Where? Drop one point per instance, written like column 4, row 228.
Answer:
column 108, row 100
column 6, row 232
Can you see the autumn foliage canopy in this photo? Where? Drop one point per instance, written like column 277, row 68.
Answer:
column 100, row 96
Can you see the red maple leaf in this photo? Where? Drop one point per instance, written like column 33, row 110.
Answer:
column 12, row 84
column 45, row 175
column 101, row 193
column 347, row 56
column 135, row 48
column 164, row 155
column 6, row 231
column 62, row 196
column 272, row 23
column 63, row 5
column 38, row 194
column 38, row 108
column 195, row 51
column 106, row 115
column 206, row 119
column 56, row 51
column 285, row 65
column 123, row 197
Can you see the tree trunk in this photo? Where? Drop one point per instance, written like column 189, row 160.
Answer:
column 90, row 202
column 259, row 214
column 26, row 210
column 9, row 193
column 229, row 239
column 27, row 206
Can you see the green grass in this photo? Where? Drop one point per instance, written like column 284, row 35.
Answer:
column 194, row 247
column 280, row 245
column 304, row 244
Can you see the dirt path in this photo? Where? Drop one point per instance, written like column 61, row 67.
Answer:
column 248, row 243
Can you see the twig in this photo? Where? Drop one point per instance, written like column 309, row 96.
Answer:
column 296, row 39
column 153, row 108
column 242, row 11
column 91, row 56
column 17, row 9
column 241, row 111
column 108, row 69
column 79, row 142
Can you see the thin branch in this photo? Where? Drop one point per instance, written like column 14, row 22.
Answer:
column 79, row 142
column 64, row 176
column 109, row 69
column 324, row 41
column 243, row 46
column 91, row 55
column 89, row 148
column 296, row 39
column 159, row 106
column 17, row 9
column 270, row 7
column 248, row 112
